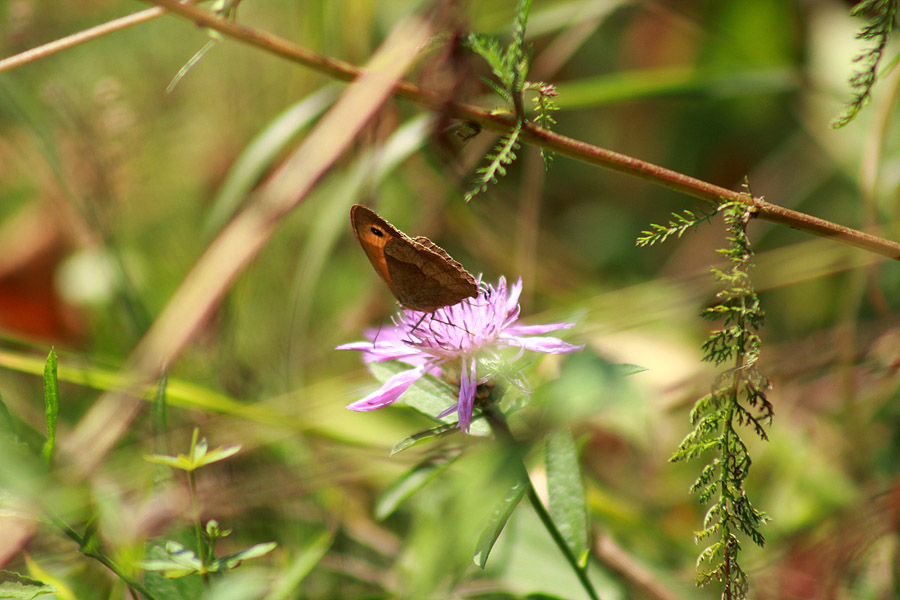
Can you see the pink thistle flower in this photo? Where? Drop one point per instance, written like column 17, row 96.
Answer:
column 455, row 337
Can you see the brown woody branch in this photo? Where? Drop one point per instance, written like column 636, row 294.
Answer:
column 549, row 140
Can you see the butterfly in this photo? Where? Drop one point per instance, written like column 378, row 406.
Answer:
column 420, row 274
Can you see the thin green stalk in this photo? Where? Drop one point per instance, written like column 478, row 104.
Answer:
column 497, row 421
column 724, row 492
column 725, row 497
column 134, row 586
column 195, row 507
column 547, row 520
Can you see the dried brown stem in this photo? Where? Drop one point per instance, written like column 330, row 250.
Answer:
column 50, row 48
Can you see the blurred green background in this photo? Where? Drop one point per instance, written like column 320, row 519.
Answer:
column 111, row 189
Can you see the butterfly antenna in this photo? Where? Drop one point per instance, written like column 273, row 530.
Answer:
column 375, row 339
column 419, row 322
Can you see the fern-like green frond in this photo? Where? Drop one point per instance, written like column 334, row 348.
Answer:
column 677, row 226
column 489, row 49
column 882, row 15
column 503, row 155
column 510, row 67
column 737, row 398
column 544, row 107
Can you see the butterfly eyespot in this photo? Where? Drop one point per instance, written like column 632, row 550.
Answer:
column 376, row 231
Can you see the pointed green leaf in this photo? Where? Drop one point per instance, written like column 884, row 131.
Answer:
column 176, row 561
column 188, row 65
column 168, row 587
column 19, row 587
column 51, row 404
column 90, row 540
column 627, row 369
column 567, row 502
column 498, row 521
column 217, row 454
column 201, row 457
column 412, row 481
column 429, row 434
column 170, row 461
column 231, row 561
column 198, row 449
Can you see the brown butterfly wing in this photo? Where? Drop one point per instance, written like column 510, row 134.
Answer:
column 373, row 233
column 420, row 274
column 427, row 278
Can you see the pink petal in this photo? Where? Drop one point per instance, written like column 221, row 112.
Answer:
column 355, row 346
column 388, row 393
column 382, row 351
column 547, row 344
column 536, row 329
column 449, row 411
column 467, row 387
column 514, row 293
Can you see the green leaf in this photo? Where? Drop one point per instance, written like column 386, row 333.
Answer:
column 412, row 481
column 488, row 48
column 232, row 561
column 626, row 369
column 161, row 586
column 51, row 404
column 502, row 512
column 199, row 456
column 567, row 502
column 503, row 154
column 213, row 532
column 90, row 541
column 429, row 434
column 189, row 65
column 882, row 17
column 176, row 462
column 217, row 454
column 177, row 561
column 19, row 587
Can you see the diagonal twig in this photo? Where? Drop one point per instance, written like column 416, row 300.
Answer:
column 549, row 140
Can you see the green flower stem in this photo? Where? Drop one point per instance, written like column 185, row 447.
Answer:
column 547, row 520
column 198, row 527
column 135, row 586
column 498, row 424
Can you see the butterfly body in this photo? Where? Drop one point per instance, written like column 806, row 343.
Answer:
column 420, row 274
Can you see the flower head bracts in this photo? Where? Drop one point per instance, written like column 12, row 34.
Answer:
column 449, row 343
